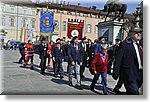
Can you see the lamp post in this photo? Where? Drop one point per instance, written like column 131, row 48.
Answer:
column 137, row 15
column 17, row 22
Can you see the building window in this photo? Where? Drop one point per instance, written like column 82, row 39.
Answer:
column 12, row 10
column 24, row 11
column 64, row 26
column 33, row 23
column 96, row 30
column 24, row 22
column 12, row 21
column 2, row 8
column 56, row 25
column 89, row 28
column 33, row 12
column 2, row 21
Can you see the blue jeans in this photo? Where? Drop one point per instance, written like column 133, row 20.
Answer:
column 104, row 81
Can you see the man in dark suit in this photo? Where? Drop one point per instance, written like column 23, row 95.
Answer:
column 43, row 47
column 58, row 57
column 75, row 61
column 53, row 58
column 84, row 55
column 129, row 62
column 90, row 51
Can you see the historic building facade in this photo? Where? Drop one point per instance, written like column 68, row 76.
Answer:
column 13, row 18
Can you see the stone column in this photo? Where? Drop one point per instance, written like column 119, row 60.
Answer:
column 111, row 30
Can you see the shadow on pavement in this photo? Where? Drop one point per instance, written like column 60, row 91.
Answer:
column 59, row 81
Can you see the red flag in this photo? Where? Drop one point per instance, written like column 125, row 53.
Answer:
column 75, row 28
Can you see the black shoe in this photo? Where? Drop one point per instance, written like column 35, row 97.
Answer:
column 24, row 66
column 61, row 77
column 92, row 88
column 82, row 76
column 105, row 94
column 70, row 84
column 19, row 62
column 79, row 87
column 117, row 91
column 43, row 73
column 32, row 68
column 56, row 76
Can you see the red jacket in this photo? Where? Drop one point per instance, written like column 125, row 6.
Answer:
column 49, row 49
column 98, row 64
column 29, row 49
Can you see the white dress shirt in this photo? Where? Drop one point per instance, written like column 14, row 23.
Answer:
column 138, row 55
column 84, row 46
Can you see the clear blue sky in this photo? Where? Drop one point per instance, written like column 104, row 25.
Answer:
column 100, row 3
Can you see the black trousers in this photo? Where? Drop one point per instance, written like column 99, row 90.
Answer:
column 59, row 68
column 68, row 67
column 22, row 58
column 43, row 65
column 84, row 63
column 109, row 65
column 54, row 66
column 132, row 87
column 90, row 60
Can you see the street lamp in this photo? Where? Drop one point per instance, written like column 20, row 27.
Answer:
column 137, row 15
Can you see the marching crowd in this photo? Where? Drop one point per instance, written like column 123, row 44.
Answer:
column 126, row 58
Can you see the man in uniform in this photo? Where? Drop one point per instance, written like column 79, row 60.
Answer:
column 29, row 53
column 58, row 57
column 43, row 47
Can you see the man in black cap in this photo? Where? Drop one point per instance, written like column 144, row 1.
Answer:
column 129, row 62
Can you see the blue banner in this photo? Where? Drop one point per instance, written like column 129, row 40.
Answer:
column 46, row 22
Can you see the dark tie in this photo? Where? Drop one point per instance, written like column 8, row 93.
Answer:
column 76, row 46
column 140, row 52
